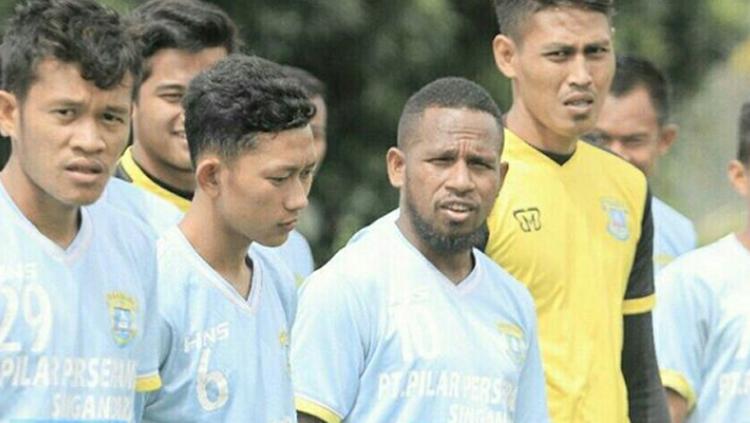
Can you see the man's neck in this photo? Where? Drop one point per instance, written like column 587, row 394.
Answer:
column 56, row 221
column 179, row 180
column 532, row 131
column 218, row 245
column 455, row 266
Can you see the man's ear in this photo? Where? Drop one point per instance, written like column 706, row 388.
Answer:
column 738, row 176
column 505, row 51
column 667, row 138
column 208, row 175
column 396, row 162
column 8, row 114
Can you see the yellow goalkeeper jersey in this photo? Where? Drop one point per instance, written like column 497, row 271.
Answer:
column 570, row 232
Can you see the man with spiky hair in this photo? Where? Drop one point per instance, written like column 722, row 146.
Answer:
column 581, row 238
column 77, row 280
column 702, row 321
column 177, row 40
column 409, row 322
column 635, row 124
column 226, row 307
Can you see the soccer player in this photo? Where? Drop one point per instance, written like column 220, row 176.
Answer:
column 634, row 123
column 702, row 320
column 77, row 282
column 409, row 323
column 225, row 314
column 573, row 222
column 178, row 39
column 296, row 251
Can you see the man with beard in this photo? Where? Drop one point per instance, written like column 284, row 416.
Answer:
column 410, row 323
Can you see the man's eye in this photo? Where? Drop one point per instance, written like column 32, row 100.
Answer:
column 277, row 179
column 113, row 118
column 307, row 173
column 597, row 51
column 65, row 113
column 171, row 97
column 557, row 55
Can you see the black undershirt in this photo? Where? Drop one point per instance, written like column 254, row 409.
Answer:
column 188, row 195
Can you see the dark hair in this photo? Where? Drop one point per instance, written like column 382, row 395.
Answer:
column 83, row 32
column 633, row 72
column 511, row 14
column 451, row 93
column 190, row 25
column 312, row 85
column 743, row 152
column 227, row 106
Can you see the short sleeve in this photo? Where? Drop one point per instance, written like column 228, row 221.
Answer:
column 329, row 345
column 531, row 405
column 681, row 319
column 639, row 294
column 148, row 349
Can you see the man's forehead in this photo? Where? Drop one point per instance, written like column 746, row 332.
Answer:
column 567, row 25
column 65, row 76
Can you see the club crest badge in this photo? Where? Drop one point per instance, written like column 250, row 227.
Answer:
column 617, row 219
column 122, row 315
column 514, row 343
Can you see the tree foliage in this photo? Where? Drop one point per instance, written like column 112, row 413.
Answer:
column 373, row 54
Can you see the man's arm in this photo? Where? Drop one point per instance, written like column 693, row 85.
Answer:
column 306, row 418
column 678, row 406
column 646, row 400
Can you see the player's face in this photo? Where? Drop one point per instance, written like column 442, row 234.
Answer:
column 629, row 126
column 66, row 134
column 264, row 189
column 561, row 68
column 318, row 125
column 449, row 176
column 158, row 119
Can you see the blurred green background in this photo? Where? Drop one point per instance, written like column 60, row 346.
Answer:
column 372, row 54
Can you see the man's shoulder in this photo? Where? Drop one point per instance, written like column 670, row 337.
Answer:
column 610, row 163
column 665, row 214
column 502, row 279
column 112, row 221
column 140, row 204
column 713, row 264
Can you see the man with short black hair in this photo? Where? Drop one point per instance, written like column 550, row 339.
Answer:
column 574, row 222
column 702, row 322
column 410, row 323
column 634, row 123
column 177, row 40
column 226, row 307
column 77, row 279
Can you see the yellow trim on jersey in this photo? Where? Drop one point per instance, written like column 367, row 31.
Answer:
column 148, row 383
column 678, row 383
column 638, row 305
column 316, row 410
column 142, row 180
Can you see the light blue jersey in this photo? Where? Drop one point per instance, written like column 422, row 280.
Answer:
column 76, row 332
column 674, row 234
column 156, row 213
column 297, row 256
column 383, row 336
column 224, row 358
column 702, row 330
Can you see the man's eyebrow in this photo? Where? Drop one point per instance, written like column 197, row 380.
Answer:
column 170, row 86
column 117, row 109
